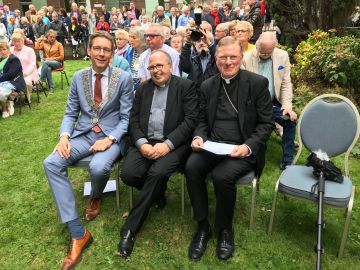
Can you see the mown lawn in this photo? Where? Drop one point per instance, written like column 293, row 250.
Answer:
column 32, row 238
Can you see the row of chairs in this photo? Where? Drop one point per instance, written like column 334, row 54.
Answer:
column 324, row 124
column 39, row 88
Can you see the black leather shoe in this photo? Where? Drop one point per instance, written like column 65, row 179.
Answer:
column 126, row 244
column 161, row 203
column 198, row 244
column 225, row 244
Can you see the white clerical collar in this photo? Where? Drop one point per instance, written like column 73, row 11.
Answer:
column 227, row 80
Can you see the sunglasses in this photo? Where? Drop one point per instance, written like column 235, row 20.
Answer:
column 151, row 35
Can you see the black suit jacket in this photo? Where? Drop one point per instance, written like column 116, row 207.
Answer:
column 176, row 21
column 255, row 112
column 181, row 114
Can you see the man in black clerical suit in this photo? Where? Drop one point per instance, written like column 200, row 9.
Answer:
column 235, row 108
column 162, row 120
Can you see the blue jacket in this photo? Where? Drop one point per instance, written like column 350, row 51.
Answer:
column 12, row 73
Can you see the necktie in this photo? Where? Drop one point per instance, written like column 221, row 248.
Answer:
column 97, row 99
column 97, row 89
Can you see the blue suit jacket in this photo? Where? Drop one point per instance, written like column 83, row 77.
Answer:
column 114, row 110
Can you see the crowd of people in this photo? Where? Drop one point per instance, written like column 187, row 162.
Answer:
column 170, row 83
column 128, row 26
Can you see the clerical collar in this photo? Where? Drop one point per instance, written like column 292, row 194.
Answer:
column 228, row 80
column 163, row 85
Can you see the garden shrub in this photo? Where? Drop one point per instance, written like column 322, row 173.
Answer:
column 330, row 60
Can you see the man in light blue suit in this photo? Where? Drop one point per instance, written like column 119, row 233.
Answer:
column 95, row 122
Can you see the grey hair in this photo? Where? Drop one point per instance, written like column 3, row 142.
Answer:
column 266, row 37
column 139, row 32
column 169, row 60
column 158, row 27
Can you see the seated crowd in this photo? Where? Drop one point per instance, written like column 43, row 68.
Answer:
column 170, row 87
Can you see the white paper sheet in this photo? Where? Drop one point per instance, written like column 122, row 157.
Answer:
column 218, row 148
column 110, row 186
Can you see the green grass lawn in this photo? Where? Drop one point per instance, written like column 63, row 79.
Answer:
column 32, row 238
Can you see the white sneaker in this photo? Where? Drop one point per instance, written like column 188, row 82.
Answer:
column 11, row 108
column 5, row 114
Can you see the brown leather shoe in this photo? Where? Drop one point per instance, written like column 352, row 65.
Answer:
column 92, row 209
column 76, row 247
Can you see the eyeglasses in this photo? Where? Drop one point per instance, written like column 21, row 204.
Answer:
column 99, row 49
column 151, row 36
column 241, row 31
column 225, row 58
column 158, row 67
column 120, row 39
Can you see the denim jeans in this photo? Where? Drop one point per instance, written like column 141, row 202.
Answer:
column 46, row 71
column 288, row 138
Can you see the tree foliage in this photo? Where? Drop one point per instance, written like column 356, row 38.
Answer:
column 297, row 18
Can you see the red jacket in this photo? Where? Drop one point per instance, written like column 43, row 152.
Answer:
column 103, row 26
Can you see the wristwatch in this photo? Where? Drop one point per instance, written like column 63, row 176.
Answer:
column 112, row 138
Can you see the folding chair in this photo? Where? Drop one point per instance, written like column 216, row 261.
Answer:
column 38, row 87
column 63, row 73
column 332, row 127
column 84, row 164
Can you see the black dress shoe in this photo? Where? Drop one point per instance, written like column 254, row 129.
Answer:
column 161, row 203
column 225, row 244
column 198, row 244
column 126, row 245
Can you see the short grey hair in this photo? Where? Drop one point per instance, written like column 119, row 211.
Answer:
column 266, row 38
column 169, row 60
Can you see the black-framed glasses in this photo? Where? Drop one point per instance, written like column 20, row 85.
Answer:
column 156, row 66
column 118, row 39
column 151, row 35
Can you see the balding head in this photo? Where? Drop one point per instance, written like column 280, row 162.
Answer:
column 265, row 45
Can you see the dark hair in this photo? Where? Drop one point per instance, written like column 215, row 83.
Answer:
column 103, row 34
column 63, row 13
column 73, row 18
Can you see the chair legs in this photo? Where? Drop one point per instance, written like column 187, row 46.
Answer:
column 347, row 223
column 62, row 79
column 273, row 208
column 117, row 181
column 183, row 195
column 253, row 202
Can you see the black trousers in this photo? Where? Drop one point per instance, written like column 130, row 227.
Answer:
column 225, row 171
column 149, row 176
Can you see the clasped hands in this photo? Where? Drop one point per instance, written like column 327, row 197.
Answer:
column 63, row 147
column 154, row 152
column 239, row 151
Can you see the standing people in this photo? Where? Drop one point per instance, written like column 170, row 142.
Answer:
column 85, row 33
column 74, row 36
column 235, row 109
column 58, row 26
column 95, row 122
column 255, row 18
column 102, row 24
